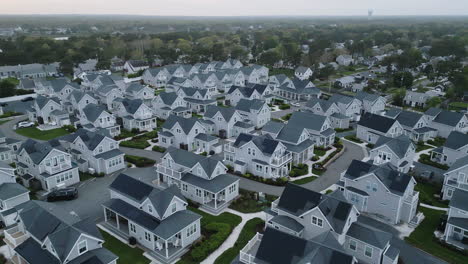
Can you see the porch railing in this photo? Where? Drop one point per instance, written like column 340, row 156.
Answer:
column 281, row 160
column 245, row 256
column 413, row 198
column 229, row 148
column 14, row 236
column 169, row 172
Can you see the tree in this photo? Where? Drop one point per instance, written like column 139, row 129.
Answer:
column 7, row 88
column 403, row 79
column 269, row 57
column 398, row 97
column 433, row 102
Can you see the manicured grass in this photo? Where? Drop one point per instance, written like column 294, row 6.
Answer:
column 319, row 152
column 215, row 230
column 426, row 159
column 305, row 180
column 124, row 134
column 10, row 114
column 299, row 170
column 196, row 115
column 421, row 147
column 84, row 176
column 426, row 194
column 125, row 253
column 458, row 106
column 340, row 130
column 317, row 172
column 349, row 93
column 33, row 132
column 438, row 142
column 135, row 143
column 423, row 238
column 353, row 138
column 159, row 149
column 249, row 203
column 139, row 161
column 248, row 232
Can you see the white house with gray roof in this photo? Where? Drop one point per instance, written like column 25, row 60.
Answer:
column 196, row 99
column 95, row 117
column 84, row 68
column 456, row 229
column 415, row 125
column 94, row 152
column 157, row 77
column 397, row 151
column 47, row 162
column 11, row 193
column 135, row 114
column 446, row 121
column 345, row 60
column 157, row 219
column 454, row 148
column 329, row 109
column 298, row 90
column 138, row 91
column 456, row 177
column 45, row 233
column 319, row 128
column 80, row 100
column 317, row 228
column 224, row 119
column 371, row 103
column 93, row 81
column 349, row 106
column 8, row 148
column 381, row 192
column 256, row 111
column 166, row 104
column 371, row 127
column 303, row 73
column 108, row 94
column 62, row 88
column 180, row 132
column 262, row 156
column 201, row 179
column 415, row 99
column 134, row 66
column 48, row 110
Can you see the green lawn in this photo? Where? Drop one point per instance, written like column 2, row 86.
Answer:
column 319, row 152
column 426, row 194
column 423, row 238
column 458, row 106
column 421, row 147
column 438, row 142
column 84, row 176
column 125, row 253
column 248, row 232
column 305, row 180
column 248, row 202
column 33, row 132
column 353, row 138
column 317, row 172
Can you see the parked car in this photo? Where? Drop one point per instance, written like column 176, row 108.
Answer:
column 25, row 124
column 295, row 104
column 65, row 194
column 27, row 99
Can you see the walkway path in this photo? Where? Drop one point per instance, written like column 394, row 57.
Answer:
column 231, row 240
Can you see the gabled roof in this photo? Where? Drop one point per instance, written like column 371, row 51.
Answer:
column 185, row 123
column 324, row 104
column 189, row 160
column 132, row 105
column 449, row 118
column 168, row 98
column 10, row 190
column 363, row 96
column 264, row 143
column 395, row 181
column 93, row 111
column 302, row 69
column 58, row 84
column 459, row 163
column 398, row 145
column 246, row 92
column 273, row 127
column 91, row 139
column 307, row 120
column 247, row 105
column 135, row 87
column 456, row 140
column 376, row 122
column 342, row 99
column 459, row 199
column 226, row 112
column 42, row 101
column 161, row 199
column 298, row 200
column 407, row 118
column 369, row 235
column 38, row 151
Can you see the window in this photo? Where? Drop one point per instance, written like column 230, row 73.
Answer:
column 191, row 230
column 259, row 168
column 368, row 252
column 374, row 187
column 174, row 207
column 150, row 208
column 352, row 245
column 198, row 192
column 148, row 236
column 82, row 247
column 184, row 187
column 132, row 228
column 317, row 221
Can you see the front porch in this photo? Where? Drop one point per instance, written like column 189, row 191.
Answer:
column 248, row 253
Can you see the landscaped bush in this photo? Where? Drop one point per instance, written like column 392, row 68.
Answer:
column 287, row 117
column 159, row 149
column 203, row 249
column 278, row 182
column 353, row 138
column 124, row 134
column 284, row 107
column 204, row 153
column 69, row 128
column 438, row 141
column 426, row 159
column 138, row 144
column 249, row 202
column 339, row 130
column 369, row 145
column 278, row 101
column 9, row 114
column 299, row 170
column 132, row 241
column 139, row 161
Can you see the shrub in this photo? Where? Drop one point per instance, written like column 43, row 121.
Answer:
column 204, row 153
column 132, row 241
column 212, row 152
column 299, row 170
column 353, row 138
column 139, row 161
column 69, row 128
column 426, row 159
column 284, row 107
column 138, row 144
column 135, row 131
column 159, row 149
column 204, row 249
column 100, row 175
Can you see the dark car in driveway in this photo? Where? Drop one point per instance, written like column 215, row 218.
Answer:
column 27, row 99
column 65, row 194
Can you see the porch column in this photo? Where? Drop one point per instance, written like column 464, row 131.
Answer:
column 216, row 200
column 105, row 214
column 117, row 219
column 167, row 251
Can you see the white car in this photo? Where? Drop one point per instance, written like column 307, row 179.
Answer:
column 25, row 124
column 295, row 104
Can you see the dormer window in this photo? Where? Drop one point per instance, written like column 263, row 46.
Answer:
column 199, row 171
column 82, row 247
column 150, row 208
column 174, row 207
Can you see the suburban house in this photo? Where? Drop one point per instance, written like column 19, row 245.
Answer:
column 93, row 81
column 416, row 125
column 135, row 114
column 371, row 103
column 49, row 111
column 95, row 118
column 317, row 228
column 456, row 177
column 201, row 179
column 260, row 155
column 196, row 99
column 330, row 109
column 166, row 104
column 346, row 82
column 345, row 60
column 349, row 106
column 108, row 94
column 224, row 119
column 276, row 81
column 236, row 93
column 381, row 192
column 138, row 91
column 157, row 219
column 371, row 127
column 303, row 73
column 397, row 151
column 446, row 121
column 157, row 77
column 256, row 111
column 298, row 90
column 454, row 148
column 180, row 132
column 318, row 127
column 456, row 229
column 177, row 82
column 45, row 233
column 8, row 148
column 134, row 66
column 94, row 152
column 80, row 100
column 84, row 68
column 48, row 163
column 11, row 193
column 415, row 99
column 62, row 88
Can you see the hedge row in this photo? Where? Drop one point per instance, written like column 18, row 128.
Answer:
column 139, row 161
column 426, row 159
column 203, row 249
column 299, row 170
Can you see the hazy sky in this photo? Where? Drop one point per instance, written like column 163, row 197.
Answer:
column 236, row 7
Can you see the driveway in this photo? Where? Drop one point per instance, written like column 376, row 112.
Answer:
column 142, row 153
column 8, row 128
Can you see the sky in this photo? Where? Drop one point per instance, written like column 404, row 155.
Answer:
column 236, row 7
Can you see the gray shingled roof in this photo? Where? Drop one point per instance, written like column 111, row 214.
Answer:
column 456, row 140
column 307, row 120
column 398, row 145
column 288, row 222
column 369, row 235
column 226, row 112
column 168, row 98
column 214, row 185
column 93, row 111
column 376, row 122
column 264, row 143
column 247, row 105
column 11, row 190
column 448, row 118
column 185, row 123
column 459, row 199
column 459, row 163
column 273, row 127
column 42, row 100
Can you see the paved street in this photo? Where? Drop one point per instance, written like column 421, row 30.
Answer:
column 8, row 131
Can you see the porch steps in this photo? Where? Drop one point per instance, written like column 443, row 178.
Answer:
column 212, row 211
column 416, row 220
